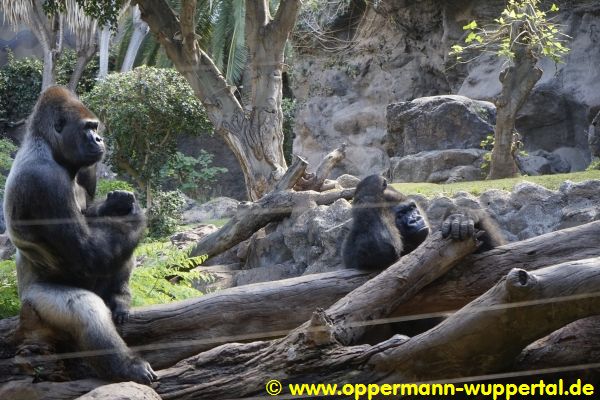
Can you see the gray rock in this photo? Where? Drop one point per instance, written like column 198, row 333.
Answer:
column 438, row 122
column 121, row 391
column 347, row 181
column 437, row 166
column 191, row 237
column 7, row 249
column 390, row 63
column 534, row 165
column 594, row 136
column 219, row 208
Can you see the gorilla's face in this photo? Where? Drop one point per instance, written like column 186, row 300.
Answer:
column 79, row 143
column 411, row 223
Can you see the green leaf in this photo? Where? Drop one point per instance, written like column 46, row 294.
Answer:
column 554, row 8
column 471, row 25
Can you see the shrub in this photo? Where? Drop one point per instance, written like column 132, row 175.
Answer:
column 104, row 186
column 20, row 86
column 144, row 111
column 194, row 176
column 7, row 150
column 164, row 215
column 21, row 82
column 65, row 66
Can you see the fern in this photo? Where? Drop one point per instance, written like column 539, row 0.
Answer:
column 166, row 274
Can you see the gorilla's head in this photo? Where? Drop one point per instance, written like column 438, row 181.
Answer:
column 69, row 128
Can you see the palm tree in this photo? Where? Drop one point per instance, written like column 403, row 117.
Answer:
column 48, row 29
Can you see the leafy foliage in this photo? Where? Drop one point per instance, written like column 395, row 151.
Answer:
column 288, row 106
column 164, row 215
column 104, row 186
column 7, row 149
column 9, row 297
column 20, row 86
column 21, row 82
column 522, row 22
column 144, row 111
column 194, row 175
column 65, row 66
column 166, row 274
column 594, row 165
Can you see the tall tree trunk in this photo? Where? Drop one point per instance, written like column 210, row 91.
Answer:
column 83, row 58
column 140, row 30
column 49, row 71
column 517, row 82
column 253, row 133
column 104, row 47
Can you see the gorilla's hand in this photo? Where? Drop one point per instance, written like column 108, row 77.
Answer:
column 458, row 227
column 119, row 203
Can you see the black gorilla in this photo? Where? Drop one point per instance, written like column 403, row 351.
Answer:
column 74, row 258
column 373, row 242
column 386, row 225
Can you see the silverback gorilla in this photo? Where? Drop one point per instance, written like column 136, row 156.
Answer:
column 73, row 258
column 387, row 225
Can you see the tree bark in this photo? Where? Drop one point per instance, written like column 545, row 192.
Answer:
column 253, row 312
column 478, row 272
column 104, row 41
column 484, row 337
column 315, row 180
column 140, row 30
column 517, row 82
column 254, row 134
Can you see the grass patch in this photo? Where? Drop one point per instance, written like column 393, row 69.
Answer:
column 551, row 182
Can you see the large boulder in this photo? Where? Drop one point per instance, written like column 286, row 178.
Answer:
column 438, row 122
column 438, row 166
column 342, row 96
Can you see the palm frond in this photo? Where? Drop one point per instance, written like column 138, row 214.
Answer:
column 16, row 11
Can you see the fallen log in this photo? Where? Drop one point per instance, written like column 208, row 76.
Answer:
column 478, row 272
column 244, row 313
column 375, row 298
column 251, row 217
column 483, row 337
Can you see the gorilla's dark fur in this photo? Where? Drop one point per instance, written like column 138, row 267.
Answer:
column 74, row 258
column 387, row 225
column 373, row 242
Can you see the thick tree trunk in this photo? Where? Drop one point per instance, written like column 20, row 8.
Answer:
column 517, row 82
column 140, row 30
column 254, row 134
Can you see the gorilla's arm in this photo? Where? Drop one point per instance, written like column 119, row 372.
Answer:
column 52, row 231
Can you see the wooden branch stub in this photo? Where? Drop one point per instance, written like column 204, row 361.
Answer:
column 293, row 173
column 314, row 181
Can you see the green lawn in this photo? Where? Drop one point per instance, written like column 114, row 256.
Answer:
column 477, row 187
